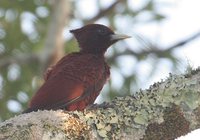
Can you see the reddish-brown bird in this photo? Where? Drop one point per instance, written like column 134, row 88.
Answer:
column 76, row 80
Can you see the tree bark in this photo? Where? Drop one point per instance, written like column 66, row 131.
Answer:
column 54, row 45
column 167, row 110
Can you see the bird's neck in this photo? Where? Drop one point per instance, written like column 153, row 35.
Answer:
column 92, row 51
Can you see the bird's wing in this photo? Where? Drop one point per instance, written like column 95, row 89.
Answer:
column 79, row 94
column 70, row 82
column 48, row 72
column 88, row 96
column 53, row 69
column 56, row 89
column 60, row 91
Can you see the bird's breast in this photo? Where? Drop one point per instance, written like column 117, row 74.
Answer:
column 88, row 71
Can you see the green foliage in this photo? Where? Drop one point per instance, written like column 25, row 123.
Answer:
column 17, row 77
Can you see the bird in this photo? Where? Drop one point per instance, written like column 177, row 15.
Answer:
column 76, row 80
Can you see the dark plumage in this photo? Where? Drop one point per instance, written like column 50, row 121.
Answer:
column 76, row 80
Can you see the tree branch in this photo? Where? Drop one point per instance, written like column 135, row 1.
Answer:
column 167, row 110
column 103, row 12
column 155, row 50
column 19, row 59
column 184, row 42
column 54, row 46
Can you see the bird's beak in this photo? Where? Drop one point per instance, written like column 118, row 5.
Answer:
column 116, row 37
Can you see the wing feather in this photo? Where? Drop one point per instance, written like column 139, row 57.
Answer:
column 70, row 85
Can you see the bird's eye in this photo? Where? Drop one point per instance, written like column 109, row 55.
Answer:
column 101, row 32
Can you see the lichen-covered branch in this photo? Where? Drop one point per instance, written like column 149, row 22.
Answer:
column 167, row 110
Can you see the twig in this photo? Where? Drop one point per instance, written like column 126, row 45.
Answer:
column 19, row 59
column 155, row 50
column 185, row 41
column 103, row 12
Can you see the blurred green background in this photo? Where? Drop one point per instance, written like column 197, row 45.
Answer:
column 34, row 35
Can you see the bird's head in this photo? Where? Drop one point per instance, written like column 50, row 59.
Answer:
column 96, row 38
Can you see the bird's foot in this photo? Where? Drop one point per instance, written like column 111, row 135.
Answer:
column 104, row 105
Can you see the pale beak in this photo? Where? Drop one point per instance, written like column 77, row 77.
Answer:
column 116, row 37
